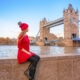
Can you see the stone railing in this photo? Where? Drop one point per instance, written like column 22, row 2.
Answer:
column 66, row 67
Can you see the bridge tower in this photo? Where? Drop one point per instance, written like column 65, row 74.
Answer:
column 44, row 31
column 71, row 30
column 71, row 26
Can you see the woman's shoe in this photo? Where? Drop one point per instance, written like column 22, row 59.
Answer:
column 27, row 73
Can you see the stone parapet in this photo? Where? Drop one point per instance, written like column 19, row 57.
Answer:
column 65, row 67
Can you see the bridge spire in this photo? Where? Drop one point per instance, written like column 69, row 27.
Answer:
column 70, row 7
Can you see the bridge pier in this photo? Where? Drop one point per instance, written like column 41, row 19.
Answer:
column 40, row 43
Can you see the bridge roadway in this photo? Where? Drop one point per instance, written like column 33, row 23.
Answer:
column 55, row 23
column 58, row 22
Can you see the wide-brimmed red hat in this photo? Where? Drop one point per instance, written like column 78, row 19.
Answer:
column 23, row 26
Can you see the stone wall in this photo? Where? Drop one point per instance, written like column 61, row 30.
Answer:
column 66, row 67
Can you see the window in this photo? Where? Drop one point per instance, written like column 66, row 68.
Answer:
column 73, row 35
column 45, row 39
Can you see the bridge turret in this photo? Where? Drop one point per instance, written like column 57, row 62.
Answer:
column 42, row 23
column 69, row 27
column 70, row 7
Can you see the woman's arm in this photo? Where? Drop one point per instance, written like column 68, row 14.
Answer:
column 25, row 51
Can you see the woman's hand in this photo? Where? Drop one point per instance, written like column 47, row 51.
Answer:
column 29, row 53
column 25, row 51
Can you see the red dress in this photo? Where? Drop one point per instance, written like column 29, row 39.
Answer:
column 22, row 56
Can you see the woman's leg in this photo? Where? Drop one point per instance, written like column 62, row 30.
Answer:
column 27, row 72
column 32, row 67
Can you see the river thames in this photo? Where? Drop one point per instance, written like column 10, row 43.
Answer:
column 7, row 51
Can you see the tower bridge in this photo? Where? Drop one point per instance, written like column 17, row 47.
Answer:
column 70, row 20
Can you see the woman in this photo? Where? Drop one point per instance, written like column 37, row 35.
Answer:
column 24, row 53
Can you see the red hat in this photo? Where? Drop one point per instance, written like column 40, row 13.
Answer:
column 23, row 26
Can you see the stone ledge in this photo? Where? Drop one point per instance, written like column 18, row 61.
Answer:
column 66, row 67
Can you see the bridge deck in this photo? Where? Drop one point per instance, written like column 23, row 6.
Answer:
column 54, row 23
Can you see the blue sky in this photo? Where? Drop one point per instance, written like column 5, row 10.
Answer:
column 31, row 12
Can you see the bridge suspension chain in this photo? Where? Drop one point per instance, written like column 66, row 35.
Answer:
column 73, row 21
column 34, row 41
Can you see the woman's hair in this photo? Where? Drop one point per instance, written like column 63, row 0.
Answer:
column 21, row 35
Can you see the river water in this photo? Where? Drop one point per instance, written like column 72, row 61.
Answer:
column 10, row 51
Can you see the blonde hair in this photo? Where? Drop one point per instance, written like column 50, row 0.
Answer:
column 21, row 35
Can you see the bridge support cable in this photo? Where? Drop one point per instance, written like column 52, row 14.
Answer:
column 34, row 41
column 73, row 21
